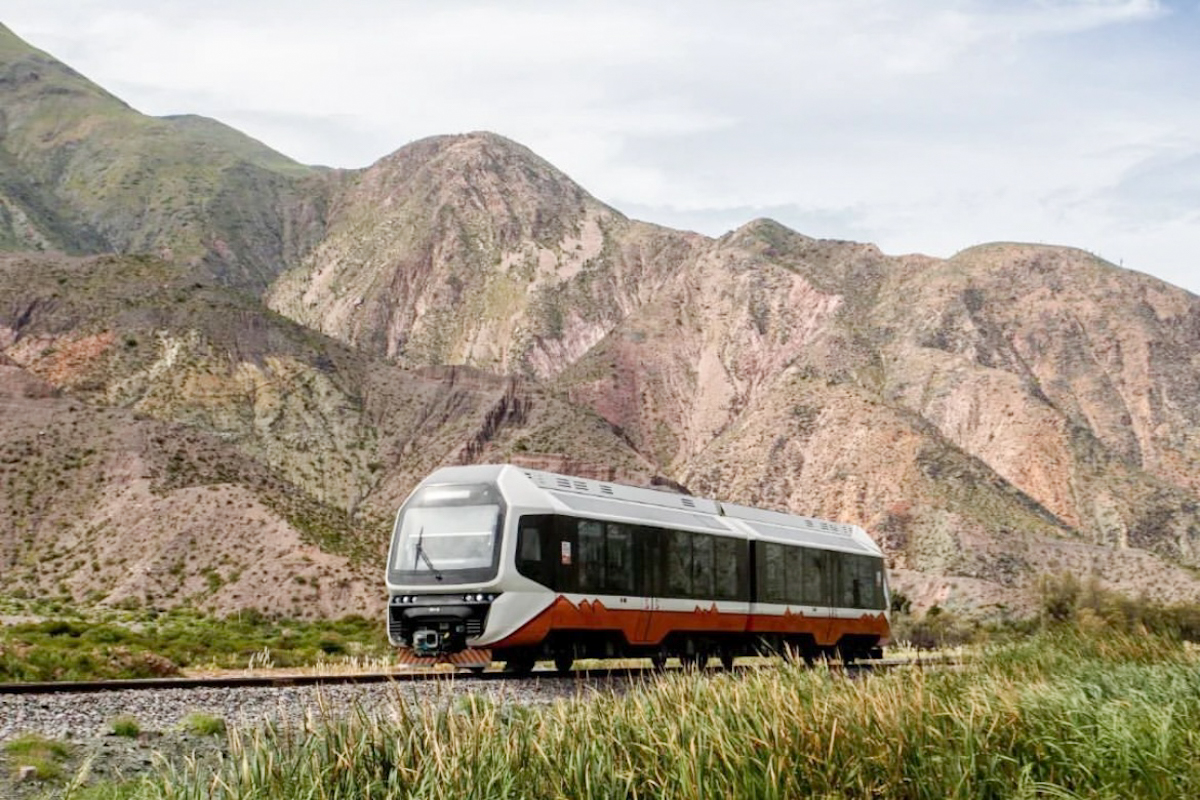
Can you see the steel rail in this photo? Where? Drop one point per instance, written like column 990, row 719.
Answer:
column 288, row 680
column 278, row 681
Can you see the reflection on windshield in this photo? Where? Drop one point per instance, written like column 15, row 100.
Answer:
column 450, row 538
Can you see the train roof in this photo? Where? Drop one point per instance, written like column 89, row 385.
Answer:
column 587, row 496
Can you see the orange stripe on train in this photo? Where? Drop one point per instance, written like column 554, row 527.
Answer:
column 646, row 627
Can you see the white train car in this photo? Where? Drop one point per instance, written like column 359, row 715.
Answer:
column 504, row 563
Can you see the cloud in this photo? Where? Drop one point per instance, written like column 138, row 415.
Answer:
column 924, row 126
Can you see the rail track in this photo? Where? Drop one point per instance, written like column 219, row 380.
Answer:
column 400, row 676
column 276, row 681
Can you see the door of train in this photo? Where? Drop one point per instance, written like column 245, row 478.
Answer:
column 648, row 566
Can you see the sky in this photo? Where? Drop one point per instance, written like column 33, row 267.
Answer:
column 923, row 127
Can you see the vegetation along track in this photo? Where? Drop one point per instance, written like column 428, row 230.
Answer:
column 282, row 680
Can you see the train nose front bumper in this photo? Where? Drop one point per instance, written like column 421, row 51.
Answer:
column 433, row 625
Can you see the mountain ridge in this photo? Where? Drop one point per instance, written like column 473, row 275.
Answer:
column 334, row 335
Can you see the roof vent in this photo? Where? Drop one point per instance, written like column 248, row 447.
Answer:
column 563, row 483
column 606, row 489
column 581, row 486
column 687, row 501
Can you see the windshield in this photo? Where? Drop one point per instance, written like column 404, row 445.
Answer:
column 447, row 533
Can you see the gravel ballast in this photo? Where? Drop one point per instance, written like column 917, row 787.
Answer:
column 84, row 721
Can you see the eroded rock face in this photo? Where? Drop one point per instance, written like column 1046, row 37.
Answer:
column 1011, row 410
column 963, row 410
column 472, row 250
column 105, row 506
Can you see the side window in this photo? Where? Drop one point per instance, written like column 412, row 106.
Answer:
column 774, row 580
column 815, row 578
column 532, row 534
column 591, row 555
column 727, row 567
column 795, row 573
column 847, row 578
column 679, row 563
column 870, row 577
column 702, row 565
column 618, row 558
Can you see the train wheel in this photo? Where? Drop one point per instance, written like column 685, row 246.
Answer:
column 659, row 661
column 691, row 661
column 563, row 662
column 520, row 665
column 727, row 660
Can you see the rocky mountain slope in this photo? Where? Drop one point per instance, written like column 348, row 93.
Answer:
column 943, row 405
column 83, row 172
column 180, row 393
column 990, row 417
column 471, row 249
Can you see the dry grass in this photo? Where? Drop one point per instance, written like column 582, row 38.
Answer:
column 1058, row 715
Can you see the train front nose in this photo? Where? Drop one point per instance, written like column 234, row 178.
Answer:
column 437, row 625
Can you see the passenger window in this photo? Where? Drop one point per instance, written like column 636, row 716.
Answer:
column 679, row 563
column 847, row 579
column 530, row 544
column 795, row 572
column 814, row 578
column 530, row 532
column 726, row 555
column 702, row 565
column 590, row 568
column 775, row 583
column 618, row 559
column 869, row 582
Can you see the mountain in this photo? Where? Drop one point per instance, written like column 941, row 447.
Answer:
column 193, row 324
column 130, row 384
column 471, row 249
column 82, row 172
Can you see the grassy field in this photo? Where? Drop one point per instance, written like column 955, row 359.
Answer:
column 147, row 644
column 1059, row 714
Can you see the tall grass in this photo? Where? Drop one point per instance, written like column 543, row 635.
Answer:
column 1057, row 716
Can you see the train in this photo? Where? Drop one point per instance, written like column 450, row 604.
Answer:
column 501, row 563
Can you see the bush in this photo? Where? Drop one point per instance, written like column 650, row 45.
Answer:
column 166, row 642
column 936, row 629
column 1088, row 605
column 203, row 724
column 125, row 725
column 43, row 754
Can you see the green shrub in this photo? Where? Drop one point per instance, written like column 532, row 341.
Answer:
column 162, row 643
column 43, row 754
column 200, row 723
column 1090, row 606
column 935, row 629
column 125, row 725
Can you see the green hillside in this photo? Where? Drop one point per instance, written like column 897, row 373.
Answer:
column 88, row 173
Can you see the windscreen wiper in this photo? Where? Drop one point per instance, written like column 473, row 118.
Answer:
column 421, row 554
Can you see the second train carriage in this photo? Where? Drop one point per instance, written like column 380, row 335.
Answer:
column 499, row 562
